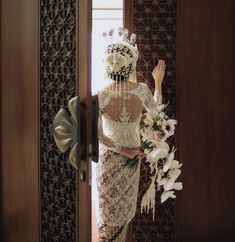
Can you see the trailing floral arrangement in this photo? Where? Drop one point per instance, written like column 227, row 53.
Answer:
column 155, row 128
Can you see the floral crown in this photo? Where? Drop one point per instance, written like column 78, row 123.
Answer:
column 127, row 48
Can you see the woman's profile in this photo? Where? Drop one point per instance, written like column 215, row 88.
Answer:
column 120, row 107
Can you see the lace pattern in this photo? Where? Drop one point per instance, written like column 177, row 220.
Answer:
column 114, row 182
column 119, row 119
column 117, row 185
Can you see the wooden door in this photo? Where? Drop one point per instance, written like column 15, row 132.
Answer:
column 19, row 170
column 45, row 61
column 196, row 39
column 205, row 102
column 84, row 80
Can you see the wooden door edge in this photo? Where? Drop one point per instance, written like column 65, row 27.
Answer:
column 83, row 80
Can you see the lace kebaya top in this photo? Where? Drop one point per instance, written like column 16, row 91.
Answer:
column 119, row 117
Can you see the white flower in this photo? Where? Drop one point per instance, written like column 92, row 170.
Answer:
column 168, row 126
column 166, row 194
column 158, row 153
column 159, row 123
column 178, row 186
column 161, row 107
column 169, row 184
column 175, row 165
column 161, row 115
column 147, row 134
column 164, row 145
column 174, row 173
column 169, row 160
column 147, row 151
column 172, row 185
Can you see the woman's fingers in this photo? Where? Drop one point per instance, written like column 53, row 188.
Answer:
column 136, row 151
column 160, row 66
column 154, row 69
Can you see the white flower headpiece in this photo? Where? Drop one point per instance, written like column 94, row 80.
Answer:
column 121, row 54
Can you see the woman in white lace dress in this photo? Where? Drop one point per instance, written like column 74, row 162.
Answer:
column 120, row 108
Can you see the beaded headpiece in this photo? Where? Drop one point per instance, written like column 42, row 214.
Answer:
column 120, row 55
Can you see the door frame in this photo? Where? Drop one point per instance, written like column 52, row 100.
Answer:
column 128, row 23
column 83, row 77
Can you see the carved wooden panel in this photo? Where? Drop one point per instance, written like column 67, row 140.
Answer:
column 57, row 86
column 154, row 22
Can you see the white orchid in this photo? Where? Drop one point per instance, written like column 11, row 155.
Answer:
column 174, row 173
column 169, row 160
column 166, row 194
column 177, row 186
column 175, row 165
column 159, row 153
column 168, row 127
column 169, row 184
column 156, row 128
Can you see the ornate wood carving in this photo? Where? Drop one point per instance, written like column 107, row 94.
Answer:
column 57, row 87
column 154, row 22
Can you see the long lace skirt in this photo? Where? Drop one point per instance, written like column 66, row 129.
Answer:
column 117, row 188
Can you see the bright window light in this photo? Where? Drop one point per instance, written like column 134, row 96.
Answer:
column 106, row 15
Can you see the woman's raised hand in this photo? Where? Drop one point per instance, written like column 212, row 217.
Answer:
column 158, row 73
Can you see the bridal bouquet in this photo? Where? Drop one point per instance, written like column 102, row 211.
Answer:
column 155, row 128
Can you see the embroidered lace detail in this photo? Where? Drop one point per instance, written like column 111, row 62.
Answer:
column 123, row 134
column 117, row 185
column 105, row 101
column 124, row 116
column 119, row 117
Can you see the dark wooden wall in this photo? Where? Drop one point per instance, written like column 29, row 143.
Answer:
column 19, row 170
column 205, row 110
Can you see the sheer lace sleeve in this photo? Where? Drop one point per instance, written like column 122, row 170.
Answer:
column 151, row 101
column 103, row 139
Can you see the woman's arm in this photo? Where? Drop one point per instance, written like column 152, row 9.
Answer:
column 109, row 143
column 152, row 101
column 158, row 74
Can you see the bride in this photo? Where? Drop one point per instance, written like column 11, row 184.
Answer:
column 120, row 107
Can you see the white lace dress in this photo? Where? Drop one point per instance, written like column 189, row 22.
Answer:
column 117, row 185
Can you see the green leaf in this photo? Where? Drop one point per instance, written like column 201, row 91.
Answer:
column 132, row 162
